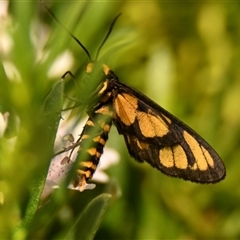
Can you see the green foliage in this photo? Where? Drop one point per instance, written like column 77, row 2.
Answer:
column 184, row 56
column 87, row 224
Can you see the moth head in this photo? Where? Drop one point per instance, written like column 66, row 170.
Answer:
column 93, row 85
column 91, row 66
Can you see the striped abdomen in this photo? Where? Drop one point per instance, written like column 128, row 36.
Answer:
column 92, row 141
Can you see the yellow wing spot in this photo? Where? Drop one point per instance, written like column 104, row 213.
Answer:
column 125, row 106
column 141, row 145
column 104, row 110
column 180, row 157
column 162, row 115
column 196, row 151
column 166, row 157
column 128, row 139
column 194, row 166
column 208, row 157
column 132, row 100
column 151, row 126
column 168, row 119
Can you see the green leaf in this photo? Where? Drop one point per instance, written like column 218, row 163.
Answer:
column 52, row 109
column 50, row 117
column 88, row 223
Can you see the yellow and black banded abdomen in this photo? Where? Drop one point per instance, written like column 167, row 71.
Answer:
column 92, row 141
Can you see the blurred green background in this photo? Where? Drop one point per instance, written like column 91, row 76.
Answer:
column 183, row 55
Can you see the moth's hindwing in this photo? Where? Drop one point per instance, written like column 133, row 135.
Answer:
column 154, row 135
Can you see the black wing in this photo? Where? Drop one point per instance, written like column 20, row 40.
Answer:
column 154, row 135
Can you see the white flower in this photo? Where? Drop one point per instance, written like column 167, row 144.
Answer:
column 3, row 122
column 63, row 62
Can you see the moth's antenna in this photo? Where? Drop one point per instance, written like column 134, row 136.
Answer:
column 108, row 33
column 55, row 18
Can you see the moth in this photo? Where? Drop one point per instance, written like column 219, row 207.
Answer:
column 151, row 133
